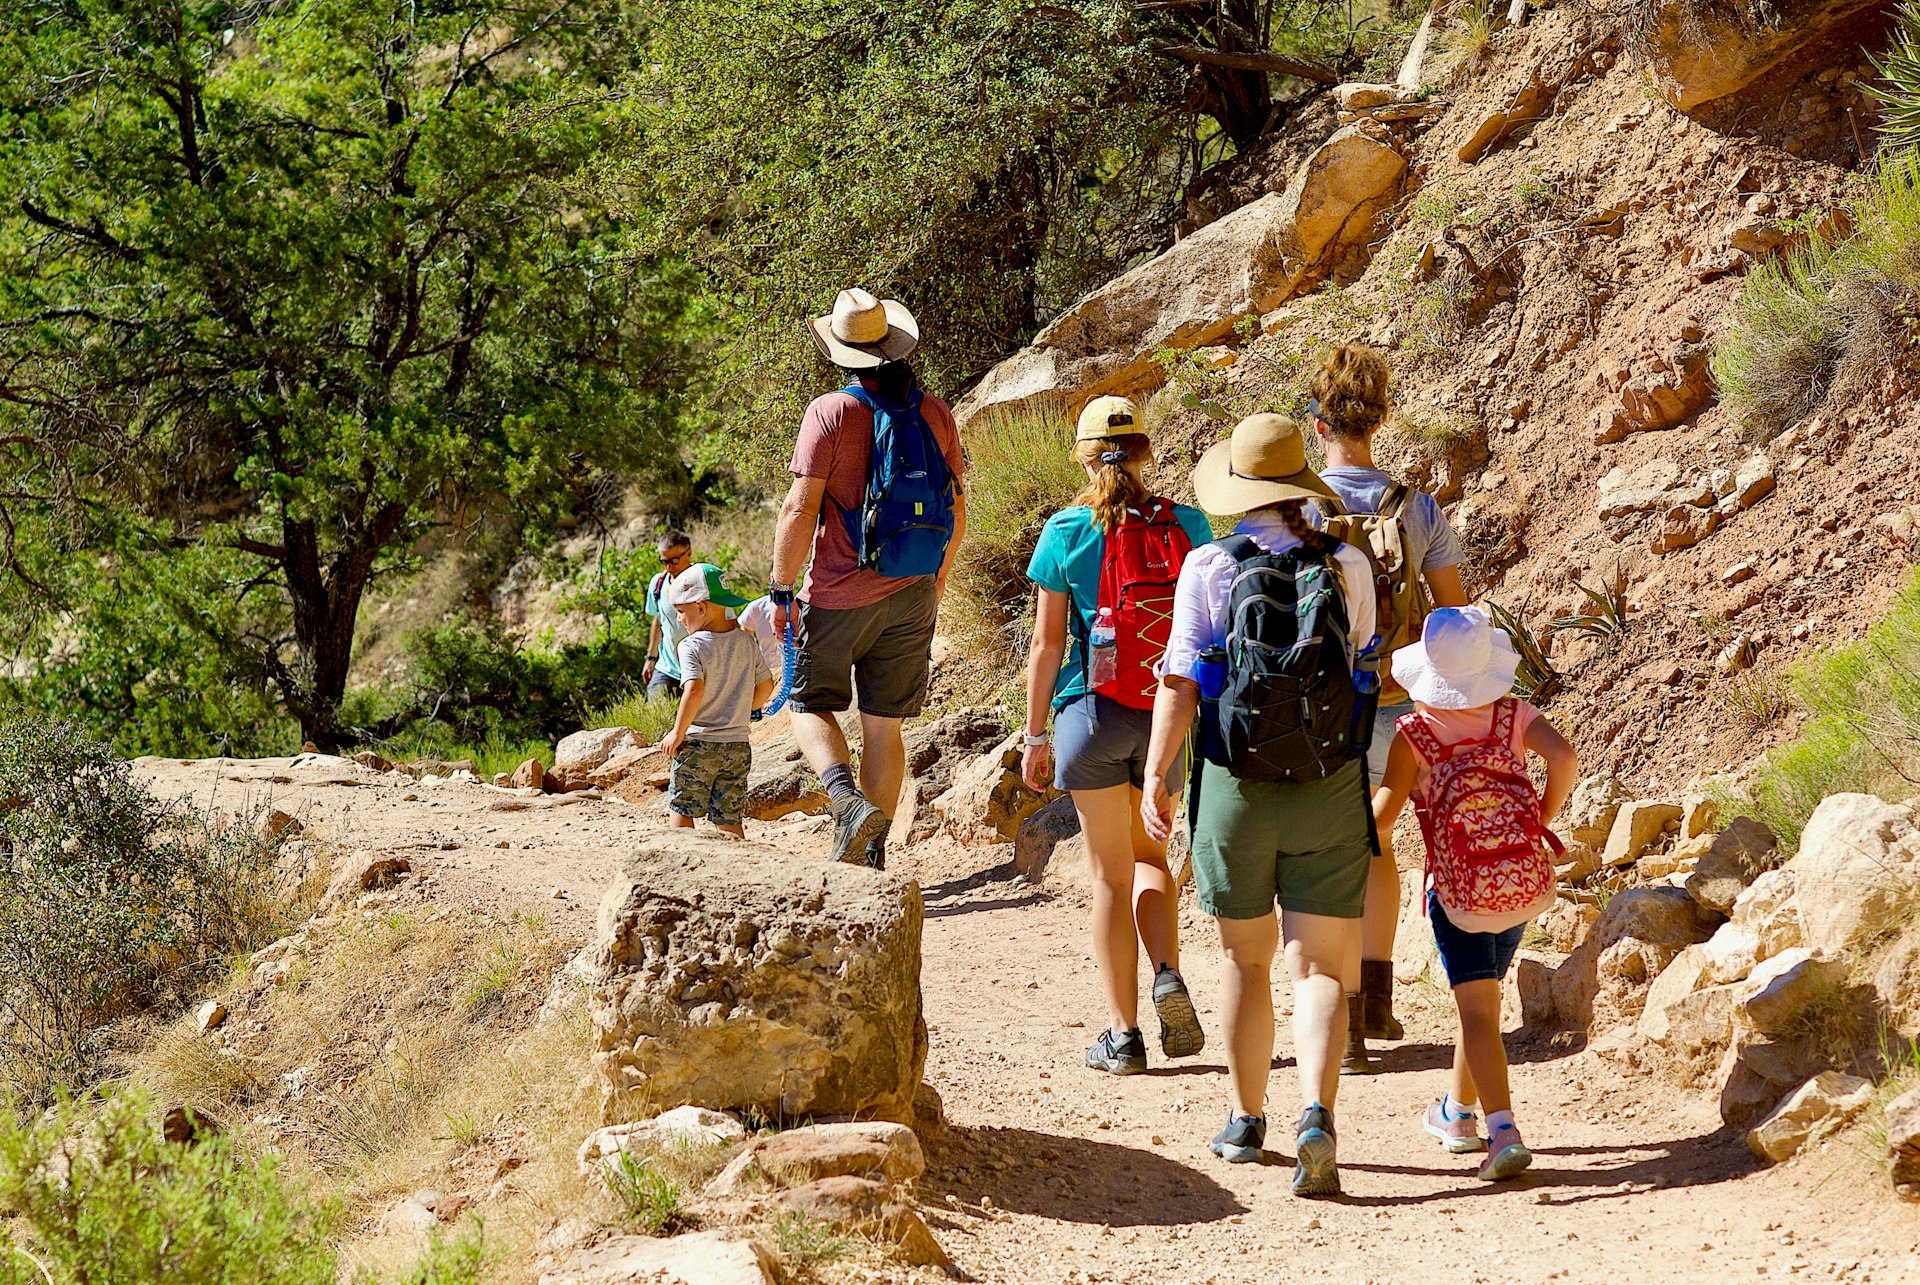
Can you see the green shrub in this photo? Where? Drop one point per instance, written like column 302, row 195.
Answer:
column 1818, row 322
column 1863, row 727
column 650, row 716
column 99, row 1197
column 648, row 1199
column 1021, row 471
column 459, row 1258
column 109, row 901
column 1899, row 68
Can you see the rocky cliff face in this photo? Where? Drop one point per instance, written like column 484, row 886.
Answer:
column 1550, row 273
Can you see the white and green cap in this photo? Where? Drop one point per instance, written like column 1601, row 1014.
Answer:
column 701, row 582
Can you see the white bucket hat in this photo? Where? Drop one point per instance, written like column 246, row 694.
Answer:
column 1461, row 661
column 863, row 332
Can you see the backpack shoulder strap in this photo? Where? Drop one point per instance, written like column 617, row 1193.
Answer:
column 1415, row 728
column 1329, row 507
column 1240, row 547
column 1394, row 503
column 1505, row 711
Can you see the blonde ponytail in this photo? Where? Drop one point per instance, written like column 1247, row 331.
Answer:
column 1114, row 488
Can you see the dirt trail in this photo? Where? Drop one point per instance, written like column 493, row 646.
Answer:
column 1053, row 1173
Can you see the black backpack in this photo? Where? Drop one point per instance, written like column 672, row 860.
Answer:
column 1287, row 711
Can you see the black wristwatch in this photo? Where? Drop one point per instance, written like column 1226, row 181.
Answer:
column 780, row 595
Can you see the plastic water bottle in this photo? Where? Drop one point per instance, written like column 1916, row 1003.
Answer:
column 1103, row 659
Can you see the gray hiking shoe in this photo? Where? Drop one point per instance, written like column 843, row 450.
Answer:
column 1180, row 1033
column 856, row 823
column 1126, row 1056
column 1315, row 1173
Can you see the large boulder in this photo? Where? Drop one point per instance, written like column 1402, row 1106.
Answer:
column 1819, row 1106
column 1777, row 995
column 582, row 754
column 1635, row 828
column 698, row 1258
column 781, row 781
column 1702, row 53
column 732, row 976
column 988, row 801
column 936, row 750
column 1041, row 835
column 1765, row 921
column 1241, row 265
column 1738, row 856
column 1903, row 1142
column 1857, row 874
column 1657, row 923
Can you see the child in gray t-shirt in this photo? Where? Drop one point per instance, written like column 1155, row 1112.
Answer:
column 724, row 679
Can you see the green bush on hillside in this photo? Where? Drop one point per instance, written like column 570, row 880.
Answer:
column 1818, row 322
column 1899, row 69
column 109, row 901
column 1021, row 470
column 1863, row 729
column 99, row 1197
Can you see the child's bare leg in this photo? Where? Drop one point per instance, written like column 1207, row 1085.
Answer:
column 737, row 831
column 1486, row 1056
column 1462, row 1092
column 679, row 821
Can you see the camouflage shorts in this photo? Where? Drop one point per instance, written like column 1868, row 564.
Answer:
column 710, row 780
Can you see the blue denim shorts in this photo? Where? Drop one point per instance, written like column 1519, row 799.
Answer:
column 1383, row 720
column 1471, row 957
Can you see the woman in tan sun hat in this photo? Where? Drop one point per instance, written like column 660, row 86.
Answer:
column 856, row 630
column 1103, row 573
column 1264, row 633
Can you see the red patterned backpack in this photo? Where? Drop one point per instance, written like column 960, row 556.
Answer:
column 1489, row 855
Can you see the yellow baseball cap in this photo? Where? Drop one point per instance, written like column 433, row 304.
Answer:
column 1108, row 417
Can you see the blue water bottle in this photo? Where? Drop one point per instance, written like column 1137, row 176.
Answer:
column 1210, row 672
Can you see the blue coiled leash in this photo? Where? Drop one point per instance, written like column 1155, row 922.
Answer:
column 789, row 656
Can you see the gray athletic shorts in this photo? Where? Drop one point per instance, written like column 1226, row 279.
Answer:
column 886, row 649
column 1098, row 742
column 1383, row 720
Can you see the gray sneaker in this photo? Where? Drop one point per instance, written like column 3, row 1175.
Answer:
column 856, row 823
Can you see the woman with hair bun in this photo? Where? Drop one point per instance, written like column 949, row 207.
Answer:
column 1104, row 570
column 1350, row 403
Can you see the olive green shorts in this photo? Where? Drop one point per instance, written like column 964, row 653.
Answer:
column 1303, row 845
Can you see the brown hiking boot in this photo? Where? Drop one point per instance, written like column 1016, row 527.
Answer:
column 1376, row 994
column 1357, row 1061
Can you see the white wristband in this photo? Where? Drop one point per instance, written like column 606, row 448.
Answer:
column 1030, row 739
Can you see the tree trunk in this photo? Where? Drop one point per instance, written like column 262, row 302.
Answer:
column 326, row 595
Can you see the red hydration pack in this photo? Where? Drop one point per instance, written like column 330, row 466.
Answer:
column 1488, row 854
column 1139, row 566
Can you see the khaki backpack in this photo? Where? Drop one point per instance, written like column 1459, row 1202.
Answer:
column 1401, row 600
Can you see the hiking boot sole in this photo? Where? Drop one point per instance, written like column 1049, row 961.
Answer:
column 1315, row 1173
column 850, row 843
column 1180, row 1031
column 1457, row 1146
column 1510, row 1163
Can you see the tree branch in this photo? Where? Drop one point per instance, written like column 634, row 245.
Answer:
column 1261, row 60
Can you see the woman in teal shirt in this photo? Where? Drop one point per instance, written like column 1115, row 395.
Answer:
column 1100, row 749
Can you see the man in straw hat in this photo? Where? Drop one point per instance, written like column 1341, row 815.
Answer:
column 855, row 629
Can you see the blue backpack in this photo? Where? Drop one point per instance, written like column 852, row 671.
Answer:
column 905, row 518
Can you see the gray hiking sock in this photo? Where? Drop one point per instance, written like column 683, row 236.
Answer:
column 839, row 783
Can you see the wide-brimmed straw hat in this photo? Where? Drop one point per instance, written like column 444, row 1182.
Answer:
column 1108, row 417
column 1264, row 462
column 1462, row 661
column 863, row 332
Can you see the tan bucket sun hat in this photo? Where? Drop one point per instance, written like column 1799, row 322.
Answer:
column 1264, row 462
column 1108, row 417
column 863, row 332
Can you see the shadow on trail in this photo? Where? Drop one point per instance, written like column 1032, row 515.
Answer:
column 1702, row 1160
column 1075, row 1180
column 1523, row 1047
column 944, row 900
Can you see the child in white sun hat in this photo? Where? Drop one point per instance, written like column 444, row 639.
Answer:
column 1461, row 757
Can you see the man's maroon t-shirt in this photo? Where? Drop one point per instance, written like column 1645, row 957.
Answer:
column 836, row 438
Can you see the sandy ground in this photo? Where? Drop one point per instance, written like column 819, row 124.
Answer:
column 1054, row 1173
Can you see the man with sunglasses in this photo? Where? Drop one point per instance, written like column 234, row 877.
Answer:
column 662, row 673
